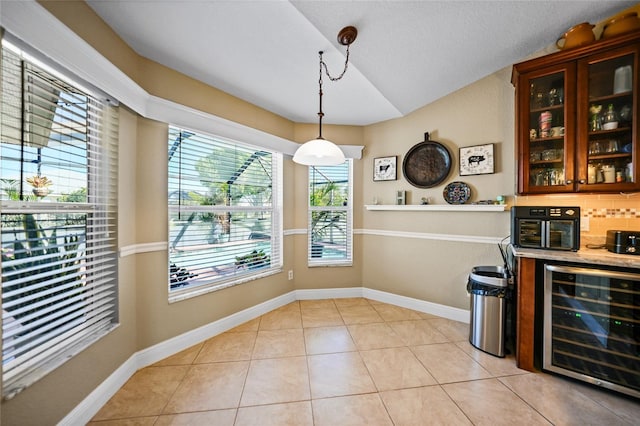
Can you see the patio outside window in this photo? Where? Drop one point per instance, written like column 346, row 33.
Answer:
column 330, row 215
column 225, row 213
column 58, row 182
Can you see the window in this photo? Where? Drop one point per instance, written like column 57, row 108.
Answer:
column 330, row 215
column 58, row 180
column 225, row 218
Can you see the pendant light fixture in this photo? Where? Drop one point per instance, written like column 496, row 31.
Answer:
column 319, row 151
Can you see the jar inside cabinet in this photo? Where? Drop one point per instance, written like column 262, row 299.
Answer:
column 577, row 117
column 610, row 125
column 547, row 131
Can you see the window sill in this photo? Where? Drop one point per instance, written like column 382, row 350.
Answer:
column 329, row 264
column 184, row 294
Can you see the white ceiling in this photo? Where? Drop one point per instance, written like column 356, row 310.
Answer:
column 407, row 54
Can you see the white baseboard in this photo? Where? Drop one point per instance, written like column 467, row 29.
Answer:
column 179, row 343
column 328, row 293
column 88, row 408
column 456, row 314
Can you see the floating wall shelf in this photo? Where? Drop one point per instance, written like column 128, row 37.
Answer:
column 439, row 207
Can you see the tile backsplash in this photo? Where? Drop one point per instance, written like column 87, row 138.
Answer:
column 603, row 211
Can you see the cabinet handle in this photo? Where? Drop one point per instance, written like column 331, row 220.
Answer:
column 569, row 181
column 582, row 181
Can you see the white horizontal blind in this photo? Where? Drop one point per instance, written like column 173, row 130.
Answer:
column 59, row 263
column 330, row 214
column 225, row 218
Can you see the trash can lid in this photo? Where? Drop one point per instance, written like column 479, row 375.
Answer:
column 489, row 275
column 488, row 291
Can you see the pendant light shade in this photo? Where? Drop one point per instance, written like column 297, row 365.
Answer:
column 319, row 152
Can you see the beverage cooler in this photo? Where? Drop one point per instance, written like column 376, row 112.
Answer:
column 592, row 326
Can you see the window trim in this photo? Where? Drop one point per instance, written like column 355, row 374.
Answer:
column 277, row 232
column 319, row 262
column 49, row 351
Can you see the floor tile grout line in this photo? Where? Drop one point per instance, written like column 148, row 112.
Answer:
column 576, row 386
column 452, row 331
column 313, row 421
column 304, row 342
column 191, row 365
column 464, row 413
column 244, row 382
column 527, row 403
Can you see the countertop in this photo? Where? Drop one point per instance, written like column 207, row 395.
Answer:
column 584, row 255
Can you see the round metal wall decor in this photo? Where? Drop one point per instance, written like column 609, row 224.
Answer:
column 427, row 164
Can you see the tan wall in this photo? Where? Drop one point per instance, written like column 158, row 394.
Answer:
column 157, row 319
column 426, row 269
column 78, row 16
column 430, row 269
column 146, row 317
column 159, row 80
column 172, row 85
column 326, row 277
column 54, row 396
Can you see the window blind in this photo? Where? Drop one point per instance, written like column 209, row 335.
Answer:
column 58, row 177
column 330, row 215
column 225, row 212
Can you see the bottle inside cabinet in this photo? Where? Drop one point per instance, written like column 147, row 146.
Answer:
column 546, row 131
column 577, row 117
column 610, row 133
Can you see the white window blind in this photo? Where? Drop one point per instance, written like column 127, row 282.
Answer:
column 330, row 215
column 225, row 213
column 58, row 177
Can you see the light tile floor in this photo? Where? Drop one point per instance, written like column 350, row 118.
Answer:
column 353, row 362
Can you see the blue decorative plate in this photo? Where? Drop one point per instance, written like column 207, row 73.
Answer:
column 456, row 193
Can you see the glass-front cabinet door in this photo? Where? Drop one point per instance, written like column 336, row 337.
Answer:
column 577, row 114
column 607, row 105
column 546, row 157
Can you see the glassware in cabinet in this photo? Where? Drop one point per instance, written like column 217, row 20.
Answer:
column 610, row 129
column 546, row 124
column 598, row 156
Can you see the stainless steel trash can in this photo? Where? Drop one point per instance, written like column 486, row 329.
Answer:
column 488, row 287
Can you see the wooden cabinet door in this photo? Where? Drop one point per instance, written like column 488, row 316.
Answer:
column 607, row 150
column 545, row 122
column 598, row 109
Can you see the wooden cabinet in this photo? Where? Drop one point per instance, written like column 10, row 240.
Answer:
column 577, row 119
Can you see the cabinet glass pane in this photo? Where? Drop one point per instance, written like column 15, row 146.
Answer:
column 610, row 143
column 546, row 131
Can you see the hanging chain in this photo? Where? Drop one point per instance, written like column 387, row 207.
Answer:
column 320, row 75
column 326, row 69
column 320, row 113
